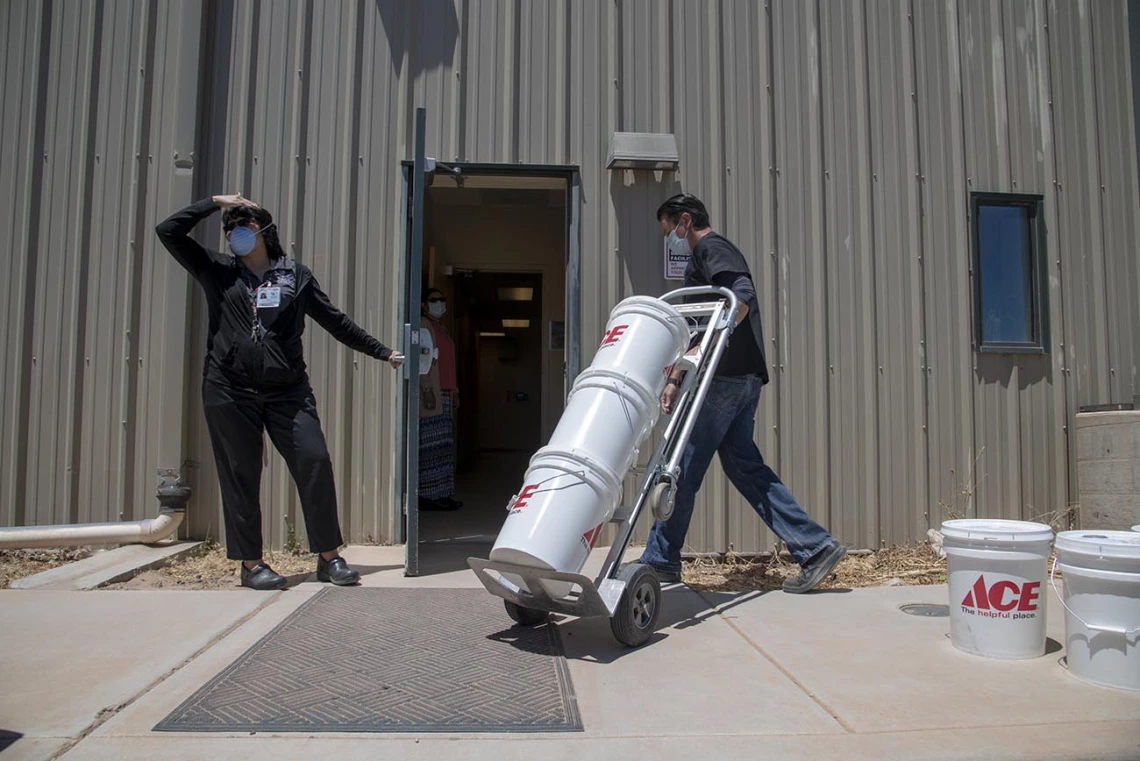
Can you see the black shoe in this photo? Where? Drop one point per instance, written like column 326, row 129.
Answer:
column 439, row 504
column 336, row 571
column 261, row 577
column 817, row 570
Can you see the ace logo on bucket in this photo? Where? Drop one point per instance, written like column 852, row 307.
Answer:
column 613, row 335
column 523, row 498
column 1002, row 599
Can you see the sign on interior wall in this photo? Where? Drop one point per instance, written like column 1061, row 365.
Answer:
column 557, row 335
column 674, row 265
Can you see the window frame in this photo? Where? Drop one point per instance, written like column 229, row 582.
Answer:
column 1039, row 343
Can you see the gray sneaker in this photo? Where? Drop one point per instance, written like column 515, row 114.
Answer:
column 664, row 576
column 817, row 570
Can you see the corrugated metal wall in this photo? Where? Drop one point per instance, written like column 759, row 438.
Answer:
column 835, row 142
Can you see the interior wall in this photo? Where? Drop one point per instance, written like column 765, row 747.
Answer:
column 505, row 231
column 511, row 394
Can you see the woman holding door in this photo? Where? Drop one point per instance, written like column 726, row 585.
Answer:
column 255, row 377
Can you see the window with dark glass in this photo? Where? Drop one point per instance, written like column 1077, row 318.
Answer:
column 1010, row 310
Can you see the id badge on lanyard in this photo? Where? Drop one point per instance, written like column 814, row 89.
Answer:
column 268, row 297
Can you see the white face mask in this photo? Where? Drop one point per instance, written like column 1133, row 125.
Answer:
column 678, row 246
column 437, row 309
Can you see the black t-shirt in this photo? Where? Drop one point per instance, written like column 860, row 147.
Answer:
column 716, row 261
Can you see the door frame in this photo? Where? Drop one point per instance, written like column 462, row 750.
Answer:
column 411, row 201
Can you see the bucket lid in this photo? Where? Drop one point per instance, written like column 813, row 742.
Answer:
column 1104, row 544
column 658, row 309
column 995, row 530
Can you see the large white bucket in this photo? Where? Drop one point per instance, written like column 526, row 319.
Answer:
column 573, row 484
column 644, row 338
column 609, row 406
column 997, row 570
column 1101, row 572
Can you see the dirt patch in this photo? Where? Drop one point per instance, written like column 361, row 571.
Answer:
column 209, row 568
column 896, row 566
column 19, row 564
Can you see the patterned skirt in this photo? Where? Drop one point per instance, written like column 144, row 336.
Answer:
column 437, row 453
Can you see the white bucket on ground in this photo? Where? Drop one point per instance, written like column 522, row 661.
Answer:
column 1101, row 574
column 573, row 484
column 997, row 571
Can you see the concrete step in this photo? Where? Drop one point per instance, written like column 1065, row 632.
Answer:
column 108, row 566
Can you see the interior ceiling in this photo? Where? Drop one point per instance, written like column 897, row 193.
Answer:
column 443, row 179
column 445, row 196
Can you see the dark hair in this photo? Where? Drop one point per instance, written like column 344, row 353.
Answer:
column 239, row 215
column 684, row 202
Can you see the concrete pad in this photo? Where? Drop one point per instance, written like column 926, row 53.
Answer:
column 621, row 692
column 696, row 676
column 107, row 567
column 880, row 670
column 141, row 716
column 34, row 748
column 69, row 655
column 1062, row 742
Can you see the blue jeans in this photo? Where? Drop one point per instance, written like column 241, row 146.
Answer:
column 724, row 425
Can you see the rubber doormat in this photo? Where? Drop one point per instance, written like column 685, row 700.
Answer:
column 391, row 660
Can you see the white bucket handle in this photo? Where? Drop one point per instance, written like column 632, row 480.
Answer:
column 1087, row 625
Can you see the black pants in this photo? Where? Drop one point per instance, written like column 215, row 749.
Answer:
column 237, row 420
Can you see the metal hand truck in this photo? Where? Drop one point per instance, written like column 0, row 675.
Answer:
column 630, row 594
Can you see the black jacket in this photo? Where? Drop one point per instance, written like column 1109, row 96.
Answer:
column 237, row 353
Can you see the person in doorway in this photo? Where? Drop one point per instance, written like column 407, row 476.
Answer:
column 727, row 419
column 255, row 378
column 439, row 399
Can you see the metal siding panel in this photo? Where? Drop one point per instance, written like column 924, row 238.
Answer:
column 58, row 287
column 371, row 510
column 647, row 70
column 107, row 425
column 21, row 172
column 1121, row 204
column 947, row 358
column 490, row 81
column 167, row 377
column 985, row 114
column 749, row 218
column 900, row 328
column 803, row 316
column 1079, row 239
column 1040, row 391
column 542, row 103
column 849, row 262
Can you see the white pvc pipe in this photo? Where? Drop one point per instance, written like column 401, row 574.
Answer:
column 137, row 532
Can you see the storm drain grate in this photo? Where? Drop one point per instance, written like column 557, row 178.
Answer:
column 391, row 660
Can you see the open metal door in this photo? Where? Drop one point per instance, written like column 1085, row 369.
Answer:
column 572, row 361
column 410, row 398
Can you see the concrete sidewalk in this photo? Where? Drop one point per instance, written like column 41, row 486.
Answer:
column 835, row 675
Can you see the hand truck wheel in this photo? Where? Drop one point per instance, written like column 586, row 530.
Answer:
column 635, row 619
column 525, row 616
column 662, row 498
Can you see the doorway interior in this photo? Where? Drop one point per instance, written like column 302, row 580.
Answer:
column 496, row 246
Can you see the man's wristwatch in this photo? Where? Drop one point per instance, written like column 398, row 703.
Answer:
column 673, row 382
